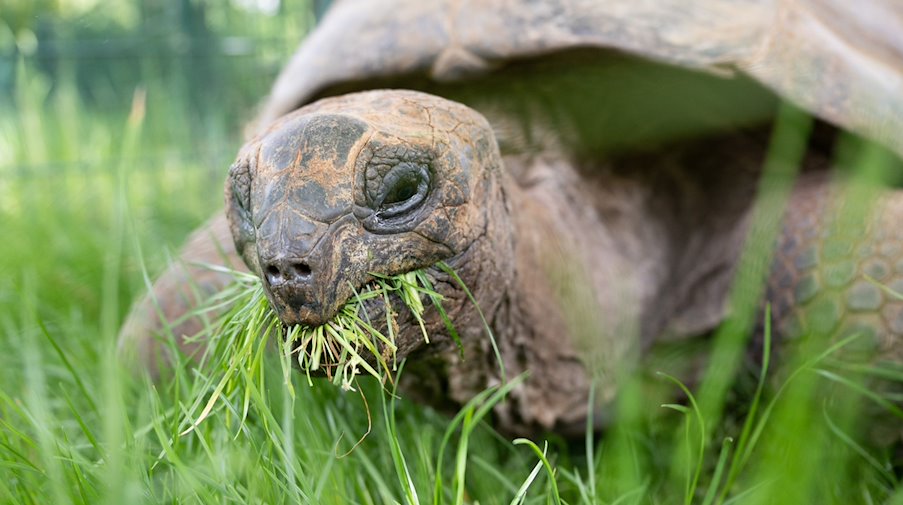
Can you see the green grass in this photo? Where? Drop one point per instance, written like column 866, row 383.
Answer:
column 87, row 199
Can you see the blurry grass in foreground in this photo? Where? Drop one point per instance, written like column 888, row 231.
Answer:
column 75, row 427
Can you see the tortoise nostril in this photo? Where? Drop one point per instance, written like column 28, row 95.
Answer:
column 273, row 275
column 286, row 271
column 301, row 270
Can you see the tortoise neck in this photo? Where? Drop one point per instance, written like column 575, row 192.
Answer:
column 563, row 300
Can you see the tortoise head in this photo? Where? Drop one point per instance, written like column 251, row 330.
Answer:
column 381, row 182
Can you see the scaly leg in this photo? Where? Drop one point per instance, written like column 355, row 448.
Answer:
column 182, row 288
column 837, row 266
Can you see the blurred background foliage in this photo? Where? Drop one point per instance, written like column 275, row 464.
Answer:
column 77, row 78
column 214, row 58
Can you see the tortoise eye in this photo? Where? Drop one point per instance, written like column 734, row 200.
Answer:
column 403, row 189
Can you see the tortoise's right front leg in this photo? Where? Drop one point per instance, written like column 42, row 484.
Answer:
column 180, row 290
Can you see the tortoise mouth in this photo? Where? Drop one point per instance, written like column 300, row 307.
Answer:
column 372, row 326
column 297, row 305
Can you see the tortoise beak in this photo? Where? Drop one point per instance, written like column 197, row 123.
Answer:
column 310, row 269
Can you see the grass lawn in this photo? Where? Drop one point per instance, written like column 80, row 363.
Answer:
column 91, row 202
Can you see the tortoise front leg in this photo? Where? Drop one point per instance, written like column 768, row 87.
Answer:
column 178, row 292
column 839, row 270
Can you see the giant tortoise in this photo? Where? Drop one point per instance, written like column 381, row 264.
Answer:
column 588, row 167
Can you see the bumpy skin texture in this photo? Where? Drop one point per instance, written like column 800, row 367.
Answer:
column 839, row 269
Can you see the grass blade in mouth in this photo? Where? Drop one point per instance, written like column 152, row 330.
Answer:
column 235, row 345
column 339, row 345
